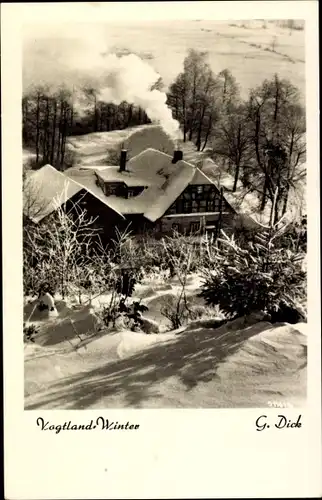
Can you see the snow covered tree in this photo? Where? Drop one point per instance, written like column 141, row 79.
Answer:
column 264, row 274
column 192, row 98
column 232, row 142
column 276, row 124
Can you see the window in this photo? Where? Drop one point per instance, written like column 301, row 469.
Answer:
column 203, row 206
column 110, row 189
column 195, row 207
column 133, row 191
column 187, row 207
column 200, row 189
column 211, row 206
column 194, row 227
column 179, row 207
column 217, row 205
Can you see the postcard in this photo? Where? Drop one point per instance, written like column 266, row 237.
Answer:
column 161, row 250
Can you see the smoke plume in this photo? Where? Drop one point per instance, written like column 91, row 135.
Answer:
column 73, row 62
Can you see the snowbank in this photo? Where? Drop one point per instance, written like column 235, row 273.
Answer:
column 67, row 324
column 240, row 364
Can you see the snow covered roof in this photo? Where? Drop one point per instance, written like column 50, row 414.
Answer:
column 45, row 190
column 200, row 178
column 154, row 166
column 163, row 182
column 113, row 174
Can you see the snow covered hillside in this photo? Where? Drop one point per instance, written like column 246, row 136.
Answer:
column 245, row 363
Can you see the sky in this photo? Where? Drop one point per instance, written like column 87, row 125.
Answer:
column 141, row 11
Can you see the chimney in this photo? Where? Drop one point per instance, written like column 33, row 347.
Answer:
column 123, row 160
column 177, row 155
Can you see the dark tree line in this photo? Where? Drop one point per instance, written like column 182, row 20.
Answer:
column 48, row 119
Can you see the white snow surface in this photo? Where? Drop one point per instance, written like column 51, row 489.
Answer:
column 245, row 363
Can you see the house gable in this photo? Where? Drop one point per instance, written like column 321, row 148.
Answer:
column 48, row 189
column 45, row 190
column 198, row 199
column 200, row 196
column 200, row 206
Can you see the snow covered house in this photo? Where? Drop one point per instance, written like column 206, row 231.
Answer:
column 158, row 193
column 152, row 192
column 47, row 189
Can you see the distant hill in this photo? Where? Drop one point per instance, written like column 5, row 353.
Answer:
column 97, row 148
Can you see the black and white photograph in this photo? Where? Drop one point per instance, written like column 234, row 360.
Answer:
column 164, row 214
column 161, row 249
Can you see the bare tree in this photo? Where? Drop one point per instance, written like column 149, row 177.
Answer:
column 178, row 100
column 59, row 248
column 49, row 118
column 192, row 98
column 277, row 132
column 232, row 141
column 34, row 203
column 230, row 92
column 179, row 254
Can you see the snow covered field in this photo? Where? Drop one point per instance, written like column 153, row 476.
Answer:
column 236, row 365
column 243, row 47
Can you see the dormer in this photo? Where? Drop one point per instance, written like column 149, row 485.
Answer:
column 111, row 187
column 112, row 184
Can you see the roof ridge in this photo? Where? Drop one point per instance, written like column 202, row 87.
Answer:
column 149, row 149
column 52, row 168
column 187, row 163
column 205, row 175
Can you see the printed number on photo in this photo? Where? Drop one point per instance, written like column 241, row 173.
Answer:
column 279, row 404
